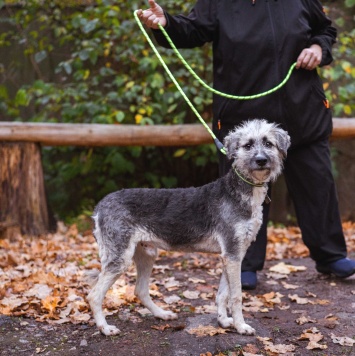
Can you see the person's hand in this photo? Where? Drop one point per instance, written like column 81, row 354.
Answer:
column 153, row 15
column 310, row 57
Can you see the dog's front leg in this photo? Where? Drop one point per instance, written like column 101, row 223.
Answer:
column 222, row 300
column 233, row 271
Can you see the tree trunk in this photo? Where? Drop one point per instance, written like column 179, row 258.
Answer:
column 23, row 204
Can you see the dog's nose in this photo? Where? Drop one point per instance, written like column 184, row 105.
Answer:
column 260, row 160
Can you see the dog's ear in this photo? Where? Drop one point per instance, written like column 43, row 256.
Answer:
column 231, row 143
column 283, row 141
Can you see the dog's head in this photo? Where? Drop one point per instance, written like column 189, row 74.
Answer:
column 257, row 149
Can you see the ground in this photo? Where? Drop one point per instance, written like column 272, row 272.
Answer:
column 295, row 310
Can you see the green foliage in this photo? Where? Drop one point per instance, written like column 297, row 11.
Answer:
column 339, row 78
column 101, row 71
column 91, row 64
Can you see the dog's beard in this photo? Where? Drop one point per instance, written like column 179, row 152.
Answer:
column 261, row 175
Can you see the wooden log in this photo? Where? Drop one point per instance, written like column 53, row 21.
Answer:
column 343, row 128
column 23, row 204
column 50, row 134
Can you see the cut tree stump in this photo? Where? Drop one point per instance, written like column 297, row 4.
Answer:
column 23, row 204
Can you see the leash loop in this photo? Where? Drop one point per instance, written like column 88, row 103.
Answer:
column 218, row 143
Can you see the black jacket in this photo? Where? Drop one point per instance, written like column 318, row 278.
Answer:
column 253, row 49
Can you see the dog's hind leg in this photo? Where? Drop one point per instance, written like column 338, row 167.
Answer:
column 144, row 258
column 96, row 297
column 222, row 303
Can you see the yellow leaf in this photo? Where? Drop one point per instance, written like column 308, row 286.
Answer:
column 138, row 118
column 50, row 303
column 179, row 153
column 86, row 74
column 347, row 109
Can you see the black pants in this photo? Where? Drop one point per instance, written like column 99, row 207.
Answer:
column 310, row 182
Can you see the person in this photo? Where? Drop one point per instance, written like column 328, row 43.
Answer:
column 254, row 44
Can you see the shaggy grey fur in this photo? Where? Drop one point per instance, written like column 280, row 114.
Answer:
column 221, row 217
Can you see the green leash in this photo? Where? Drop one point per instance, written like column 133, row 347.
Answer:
column 192, row 72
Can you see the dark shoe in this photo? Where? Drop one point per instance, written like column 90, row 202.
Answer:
column 342, row 268
column 249, row 280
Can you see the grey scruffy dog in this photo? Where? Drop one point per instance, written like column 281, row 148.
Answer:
column 221, row 217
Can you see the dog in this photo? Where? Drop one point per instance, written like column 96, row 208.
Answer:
column 221, row 217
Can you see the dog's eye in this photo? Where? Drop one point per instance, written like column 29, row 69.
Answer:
column 247, row 146
column 268, row 144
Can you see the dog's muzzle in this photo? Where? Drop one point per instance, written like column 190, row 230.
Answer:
column 261, row 161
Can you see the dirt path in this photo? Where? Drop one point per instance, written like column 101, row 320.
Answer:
column 282, row 308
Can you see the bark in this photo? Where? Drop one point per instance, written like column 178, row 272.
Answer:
column 23, row 204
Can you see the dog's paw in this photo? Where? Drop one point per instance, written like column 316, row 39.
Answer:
column 109, row 330
column 245, row 329
column 167, row 315
column 226, row 322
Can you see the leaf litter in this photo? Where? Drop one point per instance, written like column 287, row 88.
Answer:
column 43, row 279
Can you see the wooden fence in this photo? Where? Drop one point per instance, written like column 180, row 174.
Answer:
column 23, row 206
column 53, row 134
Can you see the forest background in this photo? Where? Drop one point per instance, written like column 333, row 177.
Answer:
column 87, row 62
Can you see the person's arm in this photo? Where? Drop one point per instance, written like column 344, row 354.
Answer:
column 193, row 30
column 323, row 37
column 323, row 33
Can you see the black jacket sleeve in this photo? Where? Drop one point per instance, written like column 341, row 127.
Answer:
column 323, row 33
column 193, row 30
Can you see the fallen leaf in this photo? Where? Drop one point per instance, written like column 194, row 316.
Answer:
column 314, row 345
column 206, row 331
column 171, row 299
column 196, row 280
column 304, row 320
column 313, row 335
column 188, row 294
column 50, row 303
column 78, row 317
column 342, row 340
column 297, row 299
column 278, row 349
column 321, row 302
column 161, row 327
column 171, row 284
column 13, row 302
column 251, row 349
column 167, row 326
column 144, row 311
column 284, row 268
column 310, row 294
column 289, row 286
column 40, row 291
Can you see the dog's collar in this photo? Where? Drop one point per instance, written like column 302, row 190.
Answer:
column 247, row 181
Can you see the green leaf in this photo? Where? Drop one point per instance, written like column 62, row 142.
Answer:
column 120, row 115
column 90, row 26
column 67, row 67
column 21, row 98
column 350, row 3
column 3, row 92
column 40, row 56
column 84, row 54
